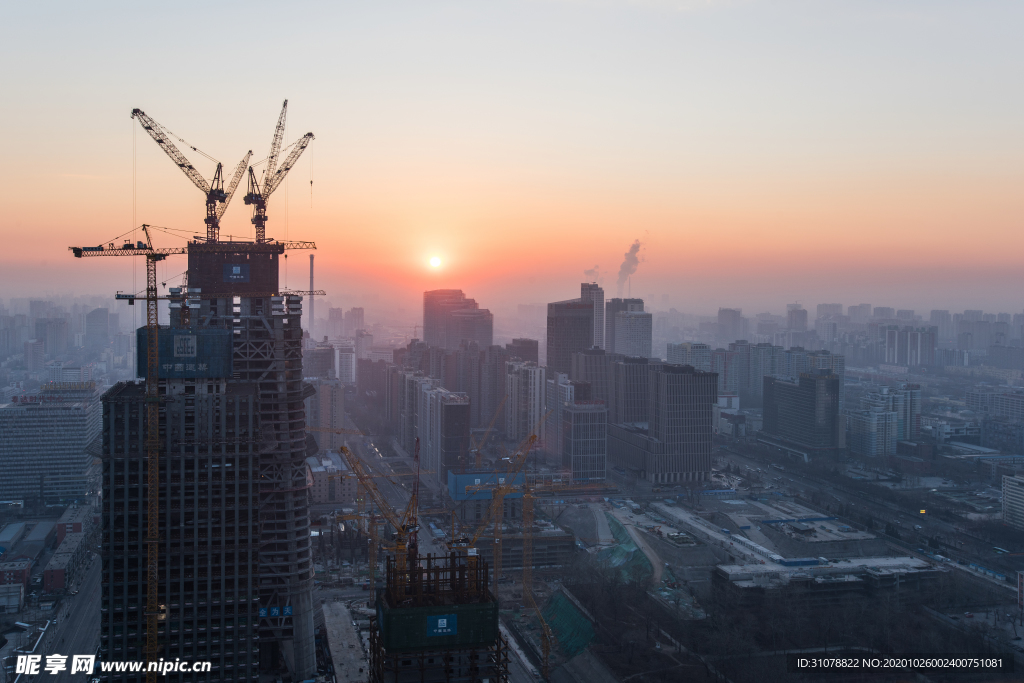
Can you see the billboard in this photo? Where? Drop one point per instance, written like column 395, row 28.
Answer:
column 187, row 353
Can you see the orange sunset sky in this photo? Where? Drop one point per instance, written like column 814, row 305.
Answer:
column 763, row 152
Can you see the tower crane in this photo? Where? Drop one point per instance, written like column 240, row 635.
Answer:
column 273, row 176
column 217, row 196
column 154, row 613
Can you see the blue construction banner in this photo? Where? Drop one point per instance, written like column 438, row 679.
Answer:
column 187, row 353
column 442, row 624
column 236, row 272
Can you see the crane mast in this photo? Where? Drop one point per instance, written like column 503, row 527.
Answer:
column 217, row 197
column 258, row 196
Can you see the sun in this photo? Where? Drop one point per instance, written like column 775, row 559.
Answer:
column 435, row 261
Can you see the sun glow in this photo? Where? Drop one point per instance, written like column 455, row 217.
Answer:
column 435, row 261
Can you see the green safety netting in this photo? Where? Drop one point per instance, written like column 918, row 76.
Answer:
column 625, row 555
column 573, row 631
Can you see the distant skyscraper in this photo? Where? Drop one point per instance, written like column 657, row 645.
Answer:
column 584, row 445
column 613, row 306
column 796, row 318
column 859, row 314
column 449, row 318
column 593, row 293
column 595, row 367
column 830, row 310
column 354, row 321
column 730, row 324
column 97, row 329
column 633, row 331
column 690, row 353
column 44, row 443
column 524, row 349
column 570, row 329
column 673, row 443
column 805, row 412
column 526, row 397
column 883, row 313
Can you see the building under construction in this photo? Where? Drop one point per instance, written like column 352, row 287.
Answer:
column 437, row 620
column 235, row 571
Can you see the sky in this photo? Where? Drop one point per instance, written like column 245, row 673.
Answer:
column 762, row 152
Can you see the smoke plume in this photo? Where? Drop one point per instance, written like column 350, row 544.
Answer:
column 631, row 260
column 593, row 274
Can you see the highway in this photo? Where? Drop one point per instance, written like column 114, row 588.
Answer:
column 78, row 632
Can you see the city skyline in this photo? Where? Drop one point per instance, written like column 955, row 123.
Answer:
column 759, row 153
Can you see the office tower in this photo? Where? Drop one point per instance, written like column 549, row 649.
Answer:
column 595, row 367
column 796, row 318
column 559, row 390
column 525, row 387
column 364, row 340
column 584, row 439
column 449, row 318
column 730, row 324
column 442, row 425
column 804, row 412
column 463, row 376
column 726, row 365
column 44, row 443
column 235, row 537
column 911, row 347
column 830, row 310
column 633, row 331
column 593, row 293
column 570, row 329
column 35, row 355
column 873, row 431
column 469, row 325
column 611, row 307
column 493, row 380
column 319, row 361
column 354, row 321
column 326, row 410
column 335, row 322
column 690, row 353
column 629, row 390
column 883, row 313
column 1013, row 501
column 673, row 443
column 97, row 329
column 346, row 362
column 54, row 334
column 859, row 314
column 906, row 315
column 524, row 349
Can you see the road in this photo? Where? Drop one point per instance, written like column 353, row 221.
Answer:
column 78, row 633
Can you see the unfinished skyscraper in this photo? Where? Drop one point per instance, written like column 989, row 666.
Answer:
column 235, row 566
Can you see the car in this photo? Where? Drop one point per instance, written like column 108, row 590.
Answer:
column 968, row 615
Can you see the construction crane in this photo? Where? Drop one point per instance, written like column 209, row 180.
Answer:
column 475, row 447
column 217, row 196
column 154, row 613
column 273, row 176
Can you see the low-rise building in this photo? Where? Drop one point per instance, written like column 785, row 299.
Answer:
column 15, row 571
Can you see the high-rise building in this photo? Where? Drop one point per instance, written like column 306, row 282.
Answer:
column 44, row 443
column 526, row 394
column 873, row 431
column 493, row 380
column 1013, row 501
column 633, row 332
column 595, row 367
column 613, row 306
column 354, row 320
column 584, row 439
column 442, row 425
column 726, row 365
column 859, row 314
column 593, row 293
column 730, row 324
column 35, row 355
column 449, row 318
column 326, row 410
column 673, row 442
column 804, row 412
column 364, row 342
column 524, row 349
column 911, row 346
column 570, row 329
column 830, row 310
column 883, row 313
column 796, row 318
column 97, row 329
column 690, row 353
column 629, row 390
column 234, row 527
